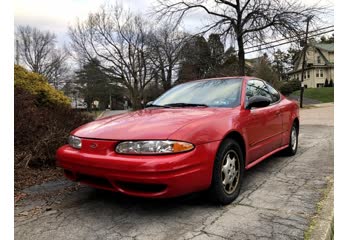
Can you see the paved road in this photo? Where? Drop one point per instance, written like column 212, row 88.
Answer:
column 278, row 198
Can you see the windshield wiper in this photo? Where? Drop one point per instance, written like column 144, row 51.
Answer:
column 186, row 105
column 155, row 105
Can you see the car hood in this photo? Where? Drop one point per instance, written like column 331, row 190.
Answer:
column 156, row 123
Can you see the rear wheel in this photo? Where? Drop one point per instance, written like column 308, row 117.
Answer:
column 227, row 173
column 293, row 141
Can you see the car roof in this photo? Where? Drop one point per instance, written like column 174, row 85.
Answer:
column 223, row 78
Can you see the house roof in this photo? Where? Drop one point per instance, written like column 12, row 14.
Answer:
column 325, row 46
column 329, row 47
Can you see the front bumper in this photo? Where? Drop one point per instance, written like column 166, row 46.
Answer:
column 156, row 176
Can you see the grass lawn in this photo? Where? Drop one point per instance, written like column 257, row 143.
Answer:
column 324, row 95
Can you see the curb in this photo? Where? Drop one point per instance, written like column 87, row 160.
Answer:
column 324, row 221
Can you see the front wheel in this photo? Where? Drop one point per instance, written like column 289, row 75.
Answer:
column 292, row 148
column 227, row 173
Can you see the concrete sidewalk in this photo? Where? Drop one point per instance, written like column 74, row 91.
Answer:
column 320, row 114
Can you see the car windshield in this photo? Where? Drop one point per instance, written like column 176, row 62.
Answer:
column 211, row 93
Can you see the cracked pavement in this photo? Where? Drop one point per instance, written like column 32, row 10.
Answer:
column 277, row 200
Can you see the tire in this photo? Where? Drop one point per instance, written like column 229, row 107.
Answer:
column 292, row 148
column 228, row 168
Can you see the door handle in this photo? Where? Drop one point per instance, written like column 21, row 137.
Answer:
column 277, row 113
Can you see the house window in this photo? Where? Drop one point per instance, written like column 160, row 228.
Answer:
column 308, row 74
column 319, row 73
column 319, row 59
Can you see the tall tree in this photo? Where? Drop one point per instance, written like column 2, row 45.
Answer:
column 282, row 64
column 195, row 59
column 229, row 67
column 262, row 68
column 217, row 49
column 247, row 21
column 38, row 51
column 118, row 39
column 325, row 39
column 164, row 47
column 94, row 84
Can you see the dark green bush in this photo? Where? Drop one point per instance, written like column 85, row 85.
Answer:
column 331, row 84
column 288, row 87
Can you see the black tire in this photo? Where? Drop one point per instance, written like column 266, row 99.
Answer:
column 218, row 192
column 291, row 150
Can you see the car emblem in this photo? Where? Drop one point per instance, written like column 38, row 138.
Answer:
column 93, row 145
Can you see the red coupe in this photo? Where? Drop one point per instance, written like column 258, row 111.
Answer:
column 200, row 135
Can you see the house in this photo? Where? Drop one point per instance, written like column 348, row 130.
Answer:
column 319, row 65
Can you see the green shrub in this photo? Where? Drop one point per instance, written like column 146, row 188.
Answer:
column 38, row 86
column 289, row 87
column 331, row 84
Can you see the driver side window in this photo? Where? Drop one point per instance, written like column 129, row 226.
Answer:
column 257, row 88
column 274, row 93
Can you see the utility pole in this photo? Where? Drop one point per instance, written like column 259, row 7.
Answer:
column 308, row 19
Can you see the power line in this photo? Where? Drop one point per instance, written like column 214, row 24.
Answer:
column 273, row 46
column 298, row 35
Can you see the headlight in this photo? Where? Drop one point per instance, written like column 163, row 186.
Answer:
column 153, row 147
column 74, row 142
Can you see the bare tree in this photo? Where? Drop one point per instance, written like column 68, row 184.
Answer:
column 38, row 51
column 118, row 40
column 247, row 21
column 165, row 46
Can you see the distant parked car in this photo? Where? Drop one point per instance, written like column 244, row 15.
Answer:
column 200, row 135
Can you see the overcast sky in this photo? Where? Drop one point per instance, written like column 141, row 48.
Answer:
column 57, row 15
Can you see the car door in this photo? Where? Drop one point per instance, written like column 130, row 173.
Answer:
column 263, row 125
column 274, row 117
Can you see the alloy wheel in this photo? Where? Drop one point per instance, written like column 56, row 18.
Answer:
column 294, row 138
column 230, row 171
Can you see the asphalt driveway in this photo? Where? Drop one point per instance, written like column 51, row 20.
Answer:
column 277, row 200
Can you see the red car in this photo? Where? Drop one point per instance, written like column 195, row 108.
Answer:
column 200, row 135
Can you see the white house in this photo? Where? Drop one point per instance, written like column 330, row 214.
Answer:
column 319, row 65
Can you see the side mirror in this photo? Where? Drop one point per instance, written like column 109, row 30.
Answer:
column 149, row 103
column 258, row 102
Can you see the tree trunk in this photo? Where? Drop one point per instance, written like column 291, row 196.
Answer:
column 167, row 84
column 241, row 58
column 135, row 100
